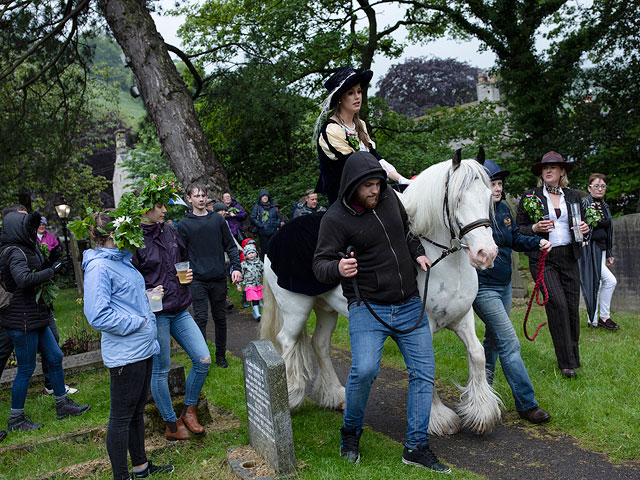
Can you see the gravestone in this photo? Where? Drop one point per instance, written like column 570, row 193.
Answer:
column 265, row 384
column 626, row 238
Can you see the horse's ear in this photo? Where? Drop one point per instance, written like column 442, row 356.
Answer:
column 480, row 157
column 457, row 158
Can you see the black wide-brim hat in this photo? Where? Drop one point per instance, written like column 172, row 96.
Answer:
column 553, row 158
column 343, row 80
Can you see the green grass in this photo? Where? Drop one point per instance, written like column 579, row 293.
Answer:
column 598, row 407
column 593, row 407
column 316, row 437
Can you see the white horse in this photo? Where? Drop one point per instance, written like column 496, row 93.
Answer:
column 442, row 203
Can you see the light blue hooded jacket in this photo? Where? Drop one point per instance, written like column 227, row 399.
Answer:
column 115, row 304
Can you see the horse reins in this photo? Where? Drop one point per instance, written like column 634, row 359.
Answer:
column 536, row 290
column 455, row 245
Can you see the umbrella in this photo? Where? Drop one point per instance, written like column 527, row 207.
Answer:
column 590, row 271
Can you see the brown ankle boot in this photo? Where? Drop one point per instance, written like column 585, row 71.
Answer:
column 190, row 420
column 181, row 434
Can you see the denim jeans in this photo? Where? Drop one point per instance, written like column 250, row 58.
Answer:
column 26, row 346
column 45, row 366
column 214, row 293
column 367, row 339
column 493, row 305
column 125, row 431
column 183, row 328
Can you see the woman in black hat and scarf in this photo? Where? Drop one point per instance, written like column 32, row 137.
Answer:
column 551, row 212
column 344, row 132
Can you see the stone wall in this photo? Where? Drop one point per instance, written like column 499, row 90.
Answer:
column 626, row 268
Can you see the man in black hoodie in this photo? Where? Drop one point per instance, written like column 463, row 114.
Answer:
column 370, row 218
column 207, row 237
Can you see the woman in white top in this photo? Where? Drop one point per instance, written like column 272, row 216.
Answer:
column 546, row 211
column 344, row 132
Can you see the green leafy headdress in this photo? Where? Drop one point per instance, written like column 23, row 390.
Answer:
column 126, row 226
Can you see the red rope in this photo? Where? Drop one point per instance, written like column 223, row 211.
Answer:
column 536, row 294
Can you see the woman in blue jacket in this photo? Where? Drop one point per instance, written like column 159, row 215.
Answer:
column 116, row 305
column 493, row 302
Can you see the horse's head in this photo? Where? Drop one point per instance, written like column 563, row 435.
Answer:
column 451, row 200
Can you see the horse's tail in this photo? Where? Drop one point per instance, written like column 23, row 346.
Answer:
column 271, row 321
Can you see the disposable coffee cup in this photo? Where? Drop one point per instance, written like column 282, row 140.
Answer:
column 181, row 269
column 155, row 299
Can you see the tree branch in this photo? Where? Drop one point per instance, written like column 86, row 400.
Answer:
column 196, row 75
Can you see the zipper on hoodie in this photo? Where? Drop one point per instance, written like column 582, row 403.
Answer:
column 392, row 251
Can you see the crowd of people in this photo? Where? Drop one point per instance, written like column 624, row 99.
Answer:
column 191, row 265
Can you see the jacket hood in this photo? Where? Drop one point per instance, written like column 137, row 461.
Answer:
column 20, row 229
column 494, row 170
column 152, row 229
column 90, row 255
column 359, row 167
column 264, row 192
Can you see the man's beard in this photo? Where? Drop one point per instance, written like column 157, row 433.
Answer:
column 367, row 201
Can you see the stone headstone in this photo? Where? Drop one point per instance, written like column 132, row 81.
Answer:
column 265, row 384
column 626, row 238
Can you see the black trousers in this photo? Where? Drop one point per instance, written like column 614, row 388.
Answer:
column 212, row 293
column 6, row 347
column 125, row 431
column 562, row 277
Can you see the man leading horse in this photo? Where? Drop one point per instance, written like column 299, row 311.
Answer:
column 370, row 218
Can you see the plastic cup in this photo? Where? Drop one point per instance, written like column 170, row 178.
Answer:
column 181, row 268
column 155, row 299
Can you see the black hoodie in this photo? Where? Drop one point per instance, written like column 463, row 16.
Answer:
column 22, row 273
column 385, row 250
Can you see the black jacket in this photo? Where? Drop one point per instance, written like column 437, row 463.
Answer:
column 21, row 274
column 207, row 237
column 525, row 223
column 385, row 250
column 602, row 234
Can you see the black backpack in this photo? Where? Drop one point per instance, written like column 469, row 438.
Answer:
column 6, row 296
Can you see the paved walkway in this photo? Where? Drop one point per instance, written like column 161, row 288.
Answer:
column 512, row 451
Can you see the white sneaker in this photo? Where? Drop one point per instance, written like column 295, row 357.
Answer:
column 68, row 389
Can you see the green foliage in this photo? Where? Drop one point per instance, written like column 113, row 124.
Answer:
column 146, row 158
column 413, row 145
column 259, row 128
column 534, row 82
column 105, row 63
column 533, row 206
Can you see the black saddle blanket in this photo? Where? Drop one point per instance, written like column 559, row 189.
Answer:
column 291, row 250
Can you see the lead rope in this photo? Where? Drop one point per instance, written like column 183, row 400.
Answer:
column 536, row 290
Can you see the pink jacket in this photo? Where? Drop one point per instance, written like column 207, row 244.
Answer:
column 49, row 239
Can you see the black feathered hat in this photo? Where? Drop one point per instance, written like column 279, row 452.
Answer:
column 343, row 80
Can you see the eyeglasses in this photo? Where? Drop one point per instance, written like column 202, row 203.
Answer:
column 599, row 187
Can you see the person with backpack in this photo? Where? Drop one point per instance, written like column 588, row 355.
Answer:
column 25, row 273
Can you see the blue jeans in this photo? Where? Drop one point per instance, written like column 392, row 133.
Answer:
column 367, row 339
column 26, row 347
column 183, row 328
column 493, row 305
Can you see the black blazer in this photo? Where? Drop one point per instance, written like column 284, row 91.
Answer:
column 525, row 223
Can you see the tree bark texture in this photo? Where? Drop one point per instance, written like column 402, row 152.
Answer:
column 165, row 95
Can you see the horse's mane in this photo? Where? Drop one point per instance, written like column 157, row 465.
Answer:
column 424, row 198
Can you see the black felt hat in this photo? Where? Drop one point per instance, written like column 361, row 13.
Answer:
column 343, row 80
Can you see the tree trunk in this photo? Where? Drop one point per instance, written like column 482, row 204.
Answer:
column 165, row 95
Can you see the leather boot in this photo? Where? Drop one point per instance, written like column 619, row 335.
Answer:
column 190, row 420
column 180, row 434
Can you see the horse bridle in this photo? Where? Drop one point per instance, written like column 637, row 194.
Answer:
column 455, row 244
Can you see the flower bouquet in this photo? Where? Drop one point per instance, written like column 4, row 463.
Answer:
column 352, row 139
column 593, row 215
column 533, row 206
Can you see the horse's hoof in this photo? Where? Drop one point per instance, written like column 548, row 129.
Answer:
column 341, row 407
